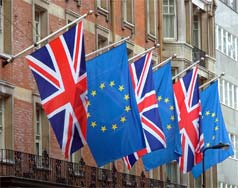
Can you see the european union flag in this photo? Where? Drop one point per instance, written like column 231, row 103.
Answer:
column 114, row 128
column 165, row 95
column 213, row 128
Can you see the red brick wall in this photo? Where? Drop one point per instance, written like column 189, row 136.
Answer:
column 23, row 126
column 19, row 74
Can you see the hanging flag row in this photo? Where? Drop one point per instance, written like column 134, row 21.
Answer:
column 126, row 111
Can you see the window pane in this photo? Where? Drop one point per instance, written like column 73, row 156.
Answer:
column 224, row 42
column 152, row 16
column 104, row 4
column 236, row 147
column 219, row 38
column 168, row 27
column 129, row 11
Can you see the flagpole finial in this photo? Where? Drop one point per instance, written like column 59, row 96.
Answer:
column 157, row 45
column 222, row 74
column 174, row 56
column 202, row 59
column 90, row 12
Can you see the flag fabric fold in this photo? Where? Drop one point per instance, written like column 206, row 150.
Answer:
column 143, row 84
column 165, row 97
column 60, row 73
column 188, row 107
column 114, row 128
column 214, row 130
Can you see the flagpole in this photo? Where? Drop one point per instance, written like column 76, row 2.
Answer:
column 49, row 36
column 212, row 80
column 164, row 62
column 142, row 53
column 110, row 45
column 191, row 66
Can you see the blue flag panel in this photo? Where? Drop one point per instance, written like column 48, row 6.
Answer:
column 164, row 90
column 114, row 128
column 213, row 128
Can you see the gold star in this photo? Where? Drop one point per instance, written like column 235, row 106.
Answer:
column 88, row 103
column 172, row 118
column 112, row 83
column 103, row 128
column 88, row 115
column 166, row 100
column 213, row 114
column 93, row 93
column 213, row 137
column 114, row 127
column 216, row 128
column 171, row 108
column 208, row 145
column 216, row 120
column 207, row 113
column 93, row 124
column 169, row 126
column 127, row 108
column 126, row 97
column 123, row 119
column 159, row 98
column 121, row 88
column 102, row 86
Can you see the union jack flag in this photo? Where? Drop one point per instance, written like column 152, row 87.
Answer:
column 142, row 81
column 188, row 107
column 60, row 72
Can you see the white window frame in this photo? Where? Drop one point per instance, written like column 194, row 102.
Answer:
column 174, row 21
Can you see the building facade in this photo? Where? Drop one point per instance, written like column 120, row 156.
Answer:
column 226, row 21
column 182, row 27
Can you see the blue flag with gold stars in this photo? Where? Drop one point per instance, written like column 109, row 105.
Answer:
column 213, row 128
column 165, row 95
column 114, row 127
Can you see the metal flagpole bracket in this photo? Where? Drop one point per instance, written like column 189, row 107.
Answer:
column 142, row 53
column 164, row 62
column 11, row 59
column 212, row 80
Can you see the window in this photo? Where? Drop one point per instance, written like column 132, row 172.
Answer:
column 103, row 7
column 171, row 172
column 102, row 37
column 225, row 185
column 218, row 41
column 224, row 41
column 169, row 18
column 2, row 131
column 152, row 14
column 40, row 23
column 196, row 31
column 38, row 133
column 128, row 13
column 234, row 143
column 198, row 182
column 41, row 128
column 1, row 26
column 228, row 93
